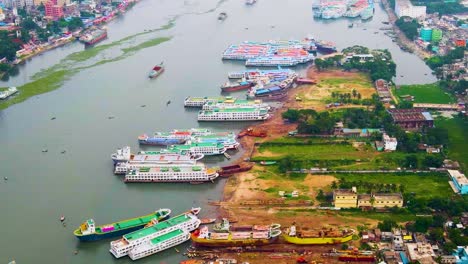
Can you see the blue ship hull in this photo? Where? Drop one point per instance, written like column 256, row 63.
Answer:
column 161, row 141
column 95, row 237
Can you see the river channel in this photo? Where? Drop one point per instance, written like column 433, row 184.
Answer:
column 79, row 183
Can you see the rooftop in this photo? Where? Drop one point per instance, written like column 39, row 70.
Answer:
column 194, row 144
column 344, row 192
column 234, row 110
column 458, row 176
column 387, row 196
column 161, row 157
column 405, row 115
column 167, row 236
column 158, row 227
column 169, row 168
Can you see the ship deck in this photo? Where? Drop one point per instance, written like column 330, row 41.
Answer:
column 158, row 227
column 160, row 157
column 172, row 168
column 134, row 221
column 167, row 236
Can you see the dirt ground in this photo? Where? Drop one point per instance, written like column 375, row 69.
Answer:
column 246, row 201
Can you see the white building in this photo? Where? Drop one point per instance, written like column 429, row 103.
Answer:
column 406, row 8
column 390, row 143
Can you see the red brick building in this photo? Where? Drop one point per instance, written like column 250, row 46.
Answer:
column 411, row 119
column 53, row 10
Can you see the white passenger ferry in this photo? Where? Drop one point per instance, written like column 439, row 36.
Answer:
column 172, row 173
column 160, row 157
column 200, row 101
column 159, row 244
column 234, row 114
column 195, row 148
column 236, row 104
column 186, row 222
column 8, row 92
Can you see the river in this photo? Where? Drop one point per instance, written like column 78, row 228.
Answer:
column 79, row 183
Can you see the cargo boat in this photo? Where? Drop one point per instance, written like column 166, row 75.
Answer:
column 357, row 258
column 326, row 46
column 200, row 148
column 227, row 171
column 253, row 236
column 234, row 114
column 172, row 173
column 88, row 231
column 94, row 36
column 186, row 222
column 272, row 97
column 161, row 157
column 232, row 87
column 317, row 237
column 156, row 71
column 8, row 92
column 305, row 81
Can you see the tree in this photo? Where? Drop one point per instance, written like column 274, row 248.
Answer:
column 437, row 234
column 75, row 23
column 28, row 24
column 449, row 247
column 320, row 196
column 405, row 105
column 8, row 48
column 285, row 164
column 291, row 115
column 387, row 225
column 433, row 161
column 41, row 7
column 436, row 136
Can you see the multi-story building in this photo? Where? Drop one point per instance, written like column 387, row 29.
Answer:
column 390, row 143
column 406, row 8
column 344, row 198
column 436, row 35
column 382, row 200
column 420, row 252
column 53, row 10
column 426, row 34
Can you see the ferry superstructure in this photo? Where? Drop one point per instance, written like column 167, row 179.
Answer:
column 200, row 101
column 278, row 61
column 172, row 173
column 159, row 157
column 249, row 74
column 234, row 114
column 171, row 138
column 159, row 243
column 200, row 148
column 236, row 104
column 227, row 139
column 185, row 222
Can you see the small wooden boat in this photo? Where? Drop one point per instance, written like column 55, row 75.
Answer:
column 222, row 16
column 62, row 218
column 267, row 163
column 156, row 71
column 207, row 221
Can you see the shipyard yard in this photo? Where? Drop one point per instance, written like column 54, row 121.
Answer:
column 211, row 134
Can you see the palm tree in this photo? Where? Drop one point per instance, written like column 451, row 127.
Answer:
column 354, row 93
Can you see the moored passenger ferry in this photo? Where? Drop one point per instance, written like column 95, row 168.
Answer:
column 160, row 157
column 172, row 138
column 200, row 101
column 159, row 243
column 195, row 148
column 234, row 114
column 185, row 222
column 236, row 104
column 227, row 139
column 172, row 173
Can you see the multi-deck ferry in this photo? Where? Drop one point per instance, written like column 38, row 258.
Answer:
column 185, row 222
column 160, row 157
column 172, row 173
column 227, row 139
column 200, row 101
column 234, row 114
column 159, row 243
column 236, row 104
column 238, row 86
column 317, row 237
column 88, row 231
column 172, row 138
column 195, row 148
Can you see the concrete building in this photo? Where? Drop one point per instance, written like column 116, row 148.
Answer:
column 436, row 35
column 350, row 199
column 411, row 119
column 426, row 34
column 382, row 200
column 345, row 198
column 458, row 182
column 390, row 143
column 406, row 8
column 53, row 10
column 397, row 243
column 420, row 252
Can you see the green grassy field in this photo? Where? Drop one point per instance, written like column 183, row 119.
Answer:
column 425, row 186
column 458, row 140
column 425, row 93
column 331, row 153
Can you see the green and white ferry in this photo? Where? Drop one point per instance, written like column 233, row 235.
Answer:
column 197, row 173
column 185, row 222
column 234, row 114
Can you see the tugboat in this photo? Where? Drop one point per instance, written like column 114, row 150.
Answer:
column 156, row 71
column 222, row 16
